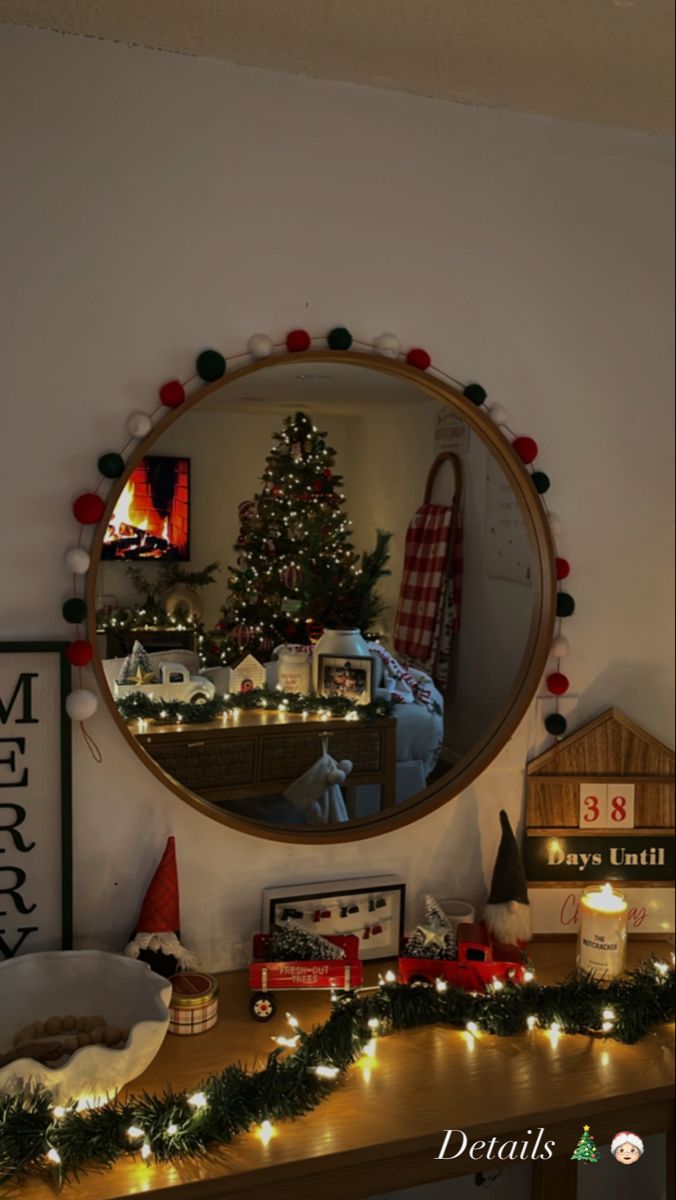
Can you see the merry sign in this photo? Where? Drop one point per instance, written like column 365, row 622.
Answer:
column 35, row 816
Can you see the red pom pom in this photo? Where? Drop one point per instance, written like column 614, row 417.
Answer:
column 298, row 339
column 562, row 568
column 88, row 508
column 317, row 485
column 79, row 653
column 172, row 393
column 526, row 449
column 418, row 358
column 557, row 683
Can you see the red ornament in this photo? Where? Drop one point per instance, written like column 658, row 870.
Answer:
column 526, row 448
column 246, row 510
column 562, row 568
column 418, row 358
column 79, row 653
column 317, row 485
column 327, row 472
column 241, row 635
column 291, row 576
column 557, row 683
column 88, row 508
column 172, row 393
column 298, row 339
column 276, row 490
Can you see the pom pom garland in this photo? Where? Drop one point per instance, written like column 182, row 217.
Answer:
column 139, row 425
column 77, row 560
column 74, row 611
column 79, row 653
column 558, row 683
column 260, row 345
column 526, row 448
column 562, row 568
column 541, row 482
column 565, row 605
column 387, row 344
column 298, row 340
column 339, row 339
column 476, row 393
column 81, row 704
column 111, row 465
column 497, row 414
column 172, row 393
column 560, row 647
column 210, row 365
column 555, row 523
column 88, row 508
column 418, row 358
column 556, row 724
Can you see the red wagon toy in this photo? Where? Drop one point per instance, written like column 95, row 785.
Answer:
column 267, row 976
column 480, row 961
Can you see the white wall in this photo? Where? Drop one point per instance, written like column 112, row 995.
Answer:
column 156, row 204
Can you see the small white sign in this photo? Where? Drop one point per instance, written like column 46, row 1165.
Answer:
column 451, row 433
column 606, row 805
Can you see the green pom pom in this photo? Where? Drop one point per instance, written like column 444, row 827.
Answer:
column 556, row 724
column 74, row 611
column 111, row 465
column 476, row 393
column 339, row 339
column 565, row 605
column 210, row 365
column 541, row 482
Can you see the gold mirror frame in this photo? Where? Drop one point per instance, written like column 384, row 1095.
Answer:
column 539, row 635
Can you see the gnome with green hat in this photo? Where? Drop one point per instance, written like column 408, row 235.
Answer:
column 507, row 913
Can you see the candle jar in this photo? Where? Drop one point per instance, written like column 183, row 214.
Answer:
column 602, row 932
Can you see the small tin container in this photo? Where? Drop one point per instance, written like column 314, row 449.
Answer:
column 194, row 1003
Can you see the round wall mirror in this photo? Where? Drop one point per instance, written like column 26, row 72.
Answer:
column 322, row 596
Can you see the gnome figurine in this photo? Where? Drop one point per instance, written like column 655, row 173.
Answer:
column 157, row 937
column 507, row 913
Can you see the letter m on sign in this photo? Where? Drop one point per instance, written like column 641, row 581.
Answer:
column 23, row 696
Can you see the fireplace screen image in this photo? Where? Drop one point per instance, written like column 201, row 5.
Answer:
column 151, row 517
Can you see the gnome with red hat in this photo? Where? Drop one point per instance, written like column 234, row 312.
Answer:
column 507, row 913
column 157, row 937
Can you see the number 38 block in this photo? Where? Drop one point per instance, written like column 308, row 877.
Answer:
column 606, row 805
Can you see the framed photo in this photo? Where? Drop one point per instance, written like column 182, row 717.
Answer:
column 371, row 908
column 351, row 678
column 35, row 799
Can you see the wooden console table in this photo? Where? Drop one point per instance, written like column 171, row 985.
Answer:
column 382, row 1130
column 260, row 753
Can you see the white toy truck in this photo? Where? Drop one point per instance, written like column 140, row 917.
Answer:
column 175, row 683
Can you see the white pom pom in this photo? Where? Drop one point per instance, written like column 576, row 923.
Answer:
column 77, row 560
column 498, row 414
column 260, row 345
column 560, row 647
column 139, row 424
column 81, row 704
column 555, row 523
column 387, row 344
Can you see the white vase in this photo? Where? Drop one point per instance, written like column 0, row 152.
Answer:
column 339, row 643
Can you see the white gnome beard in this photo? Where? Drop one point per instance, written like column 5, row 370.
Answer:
column 509, row 922
column 167, row 943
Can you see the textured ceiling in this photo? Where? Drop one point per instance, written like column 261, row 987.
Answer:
column 607, row 62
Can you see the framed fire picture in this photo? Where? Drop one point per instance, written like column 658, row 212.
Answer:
column 151, row 519
column 371, row 908
column 35, row 799
column 351, row 678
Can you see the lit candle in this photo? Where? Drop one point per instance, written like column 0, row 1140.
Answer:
column 602, row 935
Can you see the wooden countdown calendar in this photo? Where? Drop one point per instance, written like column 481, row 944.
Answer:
column 600, row 808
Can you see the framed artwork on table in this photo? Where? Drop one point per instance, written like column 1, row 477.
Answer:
column 35, row 799
column 351, row 678
column 371, row 908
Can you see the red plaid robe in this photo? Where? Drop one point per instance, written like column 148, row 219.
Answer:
column 429, row 600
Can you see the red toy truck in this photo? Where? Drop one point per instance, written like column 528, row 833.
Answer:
column 480, row 960
column 266, row 976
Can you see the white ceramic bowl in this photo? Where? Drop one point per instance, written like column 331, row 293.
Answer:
column 125, row 991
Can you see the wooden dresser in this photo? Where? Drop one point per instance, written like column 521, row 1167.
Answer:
column 261, row 753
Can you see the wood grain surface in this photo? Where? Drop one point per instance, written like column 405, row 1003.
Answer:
column 384, row 1127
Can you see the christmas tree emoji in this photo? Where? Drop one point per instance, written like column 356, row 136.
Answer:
column 586, row 1150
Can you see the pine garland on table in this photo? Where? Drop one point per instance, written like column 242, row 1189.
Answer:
column 36, row 1138
column 139, row 706
column 290, row 942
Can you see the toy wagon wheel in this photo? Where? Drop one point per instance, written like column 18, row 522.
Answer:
column 262, row 1006
column 199, row 698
